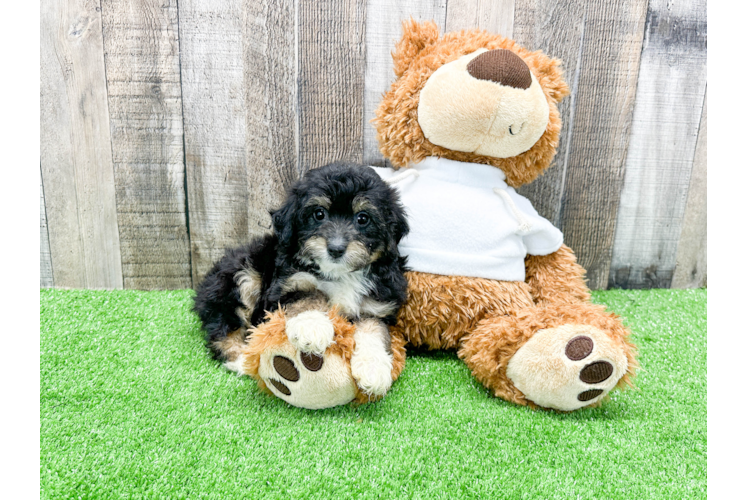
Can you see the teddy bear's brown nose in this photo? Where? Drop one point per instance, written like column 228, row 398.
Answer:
column 501, row 66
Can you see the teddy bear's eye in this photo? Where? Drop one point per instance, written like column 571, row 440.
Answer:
column 514, row 130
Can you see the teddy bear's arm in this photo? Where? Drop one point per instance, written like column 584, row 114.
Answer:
column 556, row 278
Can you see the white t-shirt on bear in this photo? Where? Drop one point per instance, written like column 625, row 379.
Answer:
column 465, row 220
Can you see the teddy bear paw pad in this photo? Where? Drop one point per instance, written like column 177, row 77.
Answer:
column 286, row 368
column 281, row 387
column 567, row 367
column 312, row 362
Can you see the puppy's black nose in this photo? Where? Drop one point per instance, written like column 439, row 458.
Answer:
column 336, row 249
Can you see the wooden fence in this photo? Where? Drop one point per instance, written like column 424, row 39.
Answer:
column 169, row 128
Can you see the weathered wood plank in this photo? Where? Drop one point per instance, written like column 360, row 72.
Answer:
column 383, row 30
column 494, row 16
column 556, row 28
column 141, row 53
column 690, row 263
column 76, row 155
column 239, row 99
column 269, row 42
column 210, row 34
column 669, row 97
column 45, row 258
column 331, row 81
column 609, row 66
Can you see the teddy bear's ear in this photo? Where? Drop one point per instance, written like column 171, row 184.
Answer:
column 416, row 37
column 550, row 75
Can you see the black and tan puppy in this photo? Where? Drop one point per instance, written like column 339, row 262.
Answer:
column 336, row 235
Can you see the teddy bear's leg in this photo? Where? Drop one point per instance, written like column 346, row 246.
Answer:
column 304, row 354
column 556, row 278
column 559, row 356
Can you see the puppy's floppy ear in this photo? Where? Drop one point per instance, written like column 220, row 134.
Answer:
column 401, row 223
column 284, row 220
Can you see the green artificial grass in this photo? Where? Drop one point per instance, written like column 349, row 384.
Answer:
column 133, row 407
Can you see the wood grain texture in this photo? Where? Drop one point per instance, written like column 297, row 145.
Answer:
column 239, row 98
column 690, row 263
column 556, row 28
column 141, row 53
column 609, row 66
column 269, row 44
column 669, row 97
column 170, row 128
column 383, row 30
column 494, row 16
column 46, row 279
column 213, row 95
column 76, row 155
column 331, row 81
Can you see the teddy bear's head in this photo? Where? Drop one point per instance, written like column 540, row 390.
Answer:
column 471, row 96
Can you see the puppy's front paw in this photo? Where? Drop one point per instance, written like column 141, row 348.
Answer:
column 373, row 377
column 371, row 363
column 310, row 332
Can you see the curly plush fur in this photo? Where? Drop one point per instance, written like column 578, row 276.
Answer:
column 322, row 212
column 219, row 302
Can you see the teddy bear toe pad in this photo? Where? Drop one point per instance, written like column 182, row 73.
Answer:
column 567, row 367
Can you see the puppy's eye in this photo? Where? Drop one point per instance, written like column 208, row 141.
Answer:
column 320, row 214
column 362, row 219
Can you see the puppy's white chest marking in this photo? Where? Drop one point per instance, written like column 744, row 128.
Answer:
column 347, row 290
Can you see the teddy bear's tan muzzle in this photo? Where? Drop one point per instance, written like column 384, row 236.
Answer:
column 485, row 102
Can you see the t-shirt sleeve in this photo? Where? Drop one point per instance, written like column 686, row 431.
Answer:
column 542, row 237
column 546, row 240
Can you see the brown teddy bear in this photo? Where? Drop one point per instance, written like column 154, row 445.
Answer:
column 470, row 117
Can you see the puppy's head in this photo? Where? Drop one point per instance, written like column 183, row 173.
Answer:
column 340, row 218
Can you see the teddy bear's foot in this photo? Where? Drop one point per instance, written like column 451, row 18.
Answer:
column 302, row 359
column 305, row 379
column 567, row 367
column 561, row 356
column 312, row 357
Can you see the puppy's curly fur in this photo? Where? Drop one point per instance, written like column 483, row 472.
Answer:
column 337, row 233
